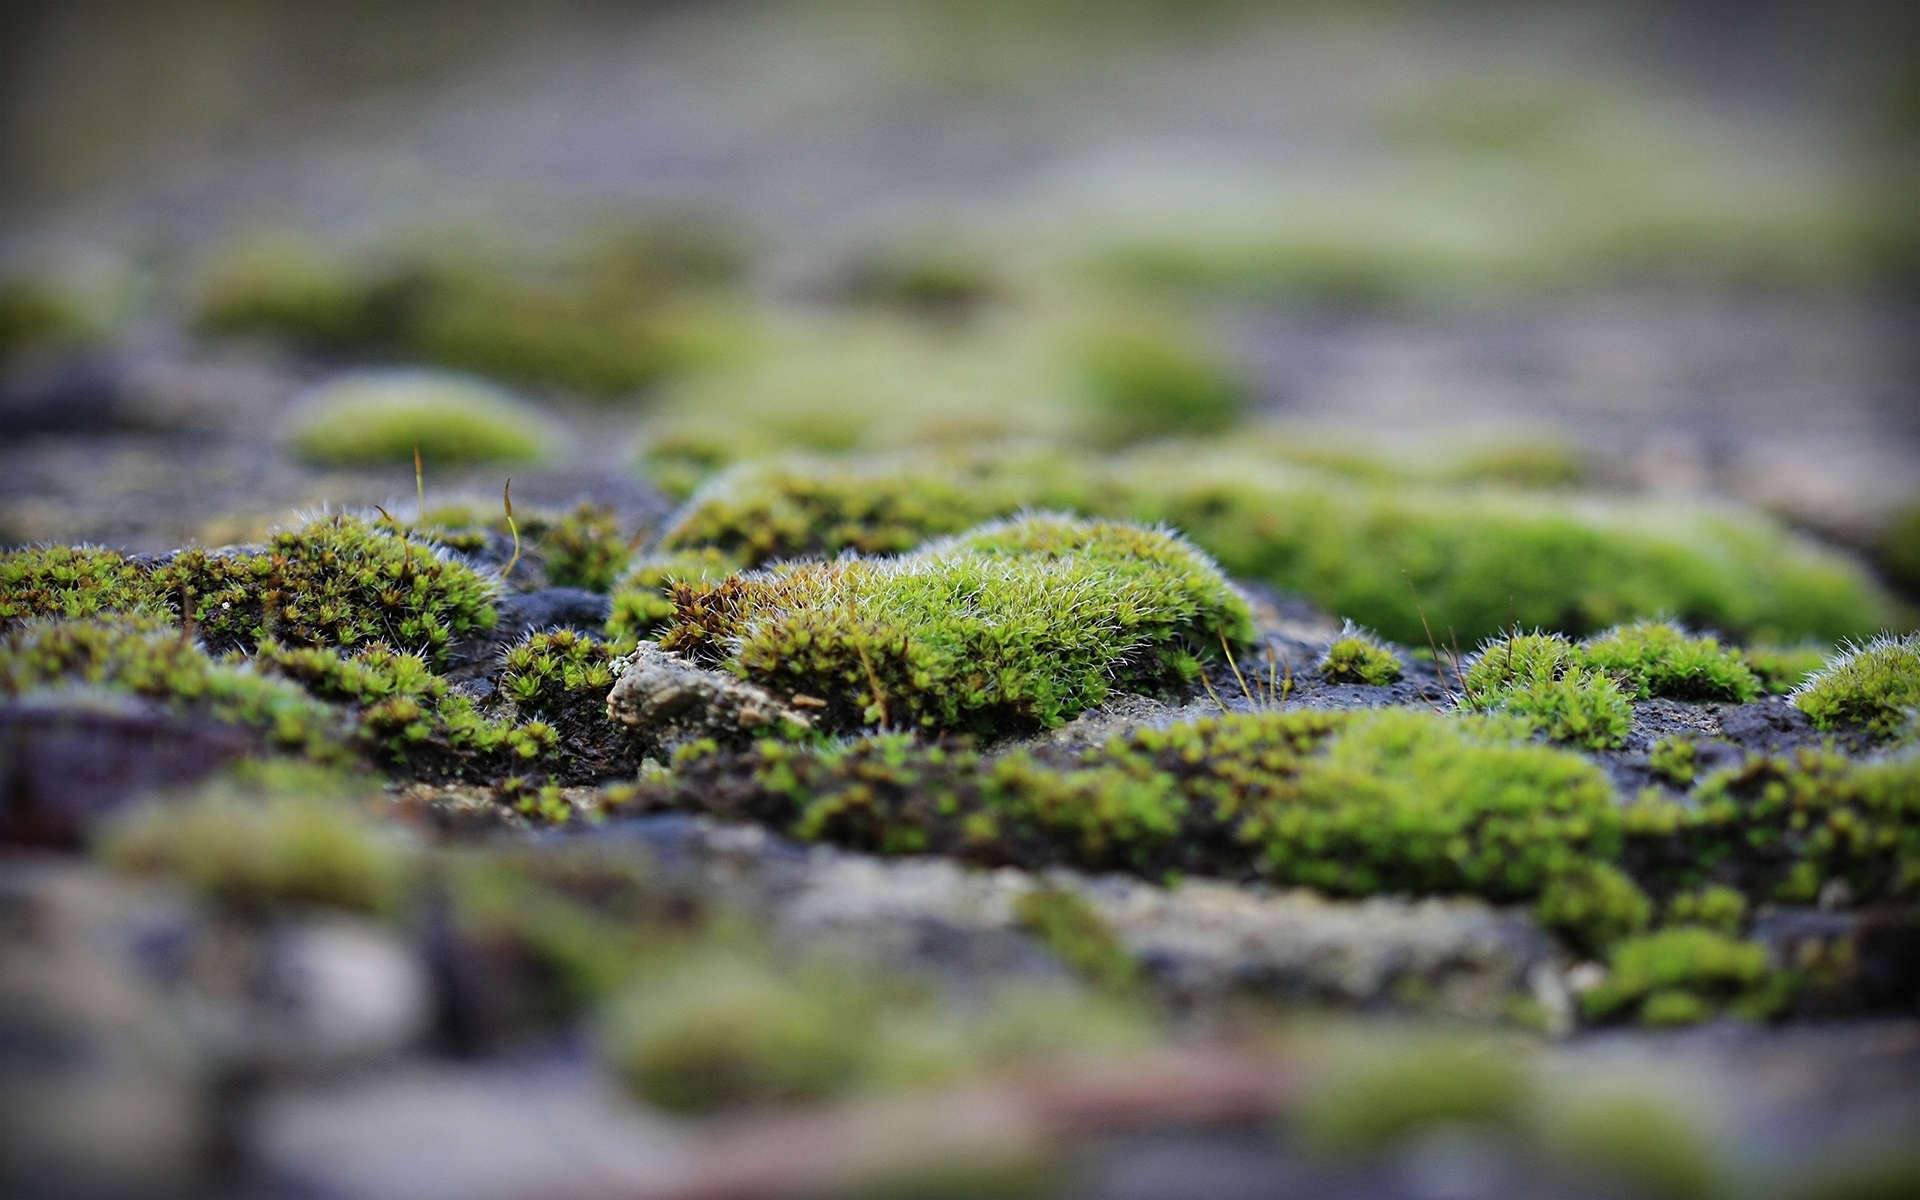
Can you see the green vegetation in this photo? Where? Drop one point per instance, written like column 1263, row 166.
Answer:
column 36, row 315
column 371, row 418
column 1672, row 759
column 1875, row 686
column 1682, row 975
column 1474, row 561
column 252, row 842
column 1780, row 827
column 583, row 547
column 643, row 595
column 1656, row 659
column 1148, row 379
column 339, row 582
column 1357, row 658
column 1717, row 907
column 1078, row 936
column 72, row 581
column 1536, row 677
column 146, row 658
column 1353, row 804
column 602, row 319
column 1650, row 1143
column 1780, row 669
column 1378, row 1099
column 1013, row 626
column 1594, row 906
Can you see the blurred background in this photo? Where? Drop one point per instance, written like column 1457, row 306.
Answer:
column 1674, row 243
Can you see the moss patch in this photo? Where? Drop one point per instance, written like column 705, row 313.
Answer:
column 1357, row 658
column 1013, row 626
column 72, row 581
column 1875, row 686
column 382, row 417
column 1682, row 975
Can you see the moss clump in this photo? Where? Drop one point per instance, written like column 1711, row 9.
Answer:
column 1357, row 658
column 406, row 716
column 1537, row 677
column 1069, row 926
column 1682, row 975
column 381, row 417
column 142, row 657
column 1148, row 380
column 559, row 680
column 253, row 844
column 1672, row 759
column 338, row 582
column 1594, row 906
column 1657, row 659
column 72, row 581
column 1353, row 804
column 1014, row 626
column 723, row 1031
column 611, row 320
column 1875, row 686
column 1782, row 826
column 643, row 595
column 1716, row 907
column 1648, row 1143
column 1477, row 560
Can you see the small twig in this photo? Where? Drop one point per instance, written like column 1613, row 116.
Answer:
column 419, row 488
column 1432, row 647
column 1208, row 684
column 1235, row 667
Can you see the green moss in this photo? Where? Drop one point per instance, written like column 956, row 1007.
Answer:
column 251, row 845
column 372, row 418
column 142, row 657
column 1876, row 686
column 583, row 547
column 1649, row 1143
column 1781, row 826
column 1474, row 561
column 608, row 319
column 1672, row 759
column 1356, row 658
column 1897, row 550
column 1353, row 804
column 1716, row 907
column 1149, row 379
column 1537, row 677
column 1013, row 626
column 1369, row 1105
column 1078, row 936
column 1656, row 659
column 72, row 581
column 1781, row 669
column 339, row 582
column 36, row 315
column 1594, row 906
column 1678, row 974
column 725, row 1031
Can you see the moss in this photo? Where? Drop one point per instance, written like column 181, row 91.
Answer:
column 1781, row 669
column 1369, row 1105
column 602, row 322
column 1473, row 561
column 724, row 1031
column 1897, row 550
column 584, row 547
column 1657, row 659
column 1594, row 906
column 339, row 582
column 372, row 418
column 1716, row 907
column 1875, row 686
column 1150, row 379
column 1682, row 973
column 1353, row 804
column 1357, row 658
column 932, row 280
column 1782, row 826
column 72, row 581
column 1013, row 626
column 1078, row 936
column 142, row 657
column 36, row 315
column 1672, row 759
column 559, row 681
column 1537, row 677
column 252, row 845
column 643, row 594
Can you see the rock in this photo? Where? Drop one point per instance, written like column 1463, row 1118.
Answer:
column 668, row 700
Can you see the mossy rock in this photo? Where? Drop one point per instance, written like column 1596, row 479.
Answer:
column 1875, row 686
